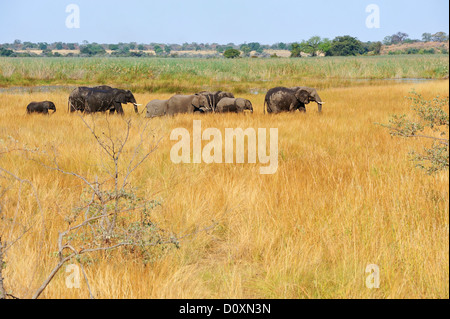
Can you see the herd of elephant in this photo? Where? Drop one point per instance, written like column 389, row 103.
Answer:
column 105, row 98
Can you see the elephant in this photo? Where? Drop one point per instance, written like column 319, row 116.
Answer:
column 41, row 107
column 188, row 104
column 282, row 99
column 234, row 105
column 98, row 100
column 215, row 97
column 77, row 99
column 78, row 96
column 156, row 108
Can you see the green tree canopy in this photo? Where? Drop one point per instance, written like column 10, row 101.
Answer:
column 246, row 49
column 92, row 49
column 345, row 46
column 231, row 53
column 296, row 50
column 158, row 50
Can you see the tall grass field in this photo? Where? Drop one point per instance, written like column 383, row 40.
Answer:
column 345, row 196
column 185, row 75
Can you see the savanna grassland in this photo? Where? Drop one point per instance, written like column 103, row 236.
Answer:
column 345, row 195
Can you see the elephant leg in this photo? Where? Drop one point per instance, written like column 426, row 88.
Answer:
column 293, row 107
column 118, row 108
column 302, row 108
column 238, row 108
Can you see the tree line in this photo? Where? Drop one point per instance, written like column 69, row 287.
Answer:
column 339, row 46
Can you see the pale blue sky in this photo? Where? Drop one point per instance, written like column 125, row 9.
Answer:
column 209, row 21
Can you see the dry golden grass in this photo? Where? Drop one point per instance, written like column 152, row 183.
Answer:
column 345, row 196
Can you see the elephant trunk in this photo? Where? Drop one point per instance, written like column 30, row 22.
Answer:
column 319, row 103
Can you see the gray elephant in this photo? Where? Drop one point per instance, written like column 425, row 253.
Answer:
column 108, row 100
column 78, row 99
column 234, row 105
column 156, row 108
column 282, row 99
column 215, row 97
column 188, row 104
column 41, row 107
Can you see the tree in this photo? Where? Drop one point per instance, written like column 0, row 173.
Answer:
column 92, row 49
column 325, row 46
column 245, row 49
column 431, row 123
column 387, row 40
column 399, row 37
column 373, row 48
column 29, row 45
column 345, row 46
column 255, row 46
column 158, row 50
column 17, row 44
column 296, row 50
column 6, row 52
column 231, row 53
column 312, row 45
column 426, row 37
column 167, row 49
column 440, row 37
column 43, row 45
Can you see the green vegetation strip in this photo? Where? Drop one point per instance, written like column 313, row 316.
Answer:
column 183, row 75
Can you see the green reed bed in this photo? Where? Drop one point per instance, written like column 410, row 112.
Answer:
column 183, row 75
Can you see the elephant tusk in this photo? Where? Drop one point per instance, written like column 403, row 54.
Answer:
column 320, row 103
column 138, row 104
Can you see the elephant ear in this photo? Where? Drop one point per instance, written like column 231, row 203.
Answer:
column 302, row 96
column 196, row 101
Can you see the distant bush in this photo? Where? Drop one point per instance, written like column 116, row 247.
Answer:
column 412, row 51
column 429, row 51
column 232, row 53
column 6, row 52
column 92, row 49
column 47, row 53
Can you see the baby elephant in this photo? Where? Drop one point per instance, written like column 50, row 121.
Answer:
column 41, row 107
column 234, row 105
